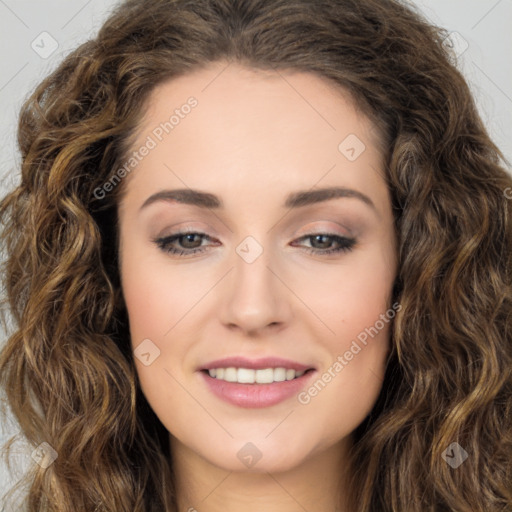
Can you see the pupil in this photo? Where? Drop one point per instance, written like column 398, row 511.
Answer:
column 319, row 237
column 189, row 238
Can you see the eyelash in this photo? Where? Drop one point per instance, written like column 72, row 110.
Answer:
column 164, row 243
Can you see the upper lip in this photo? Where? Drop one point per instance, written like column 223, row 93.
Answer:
column 256, row 364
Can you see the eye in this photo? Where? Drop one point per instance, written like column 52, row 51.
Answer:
column 322, row 243
column 191, row 242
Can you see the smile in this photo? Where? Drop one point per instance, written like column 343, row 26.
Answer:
column 257, row 395
column 251, row 376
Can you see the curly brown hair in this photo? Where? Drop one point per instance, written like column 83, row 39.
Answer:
column 67, row 368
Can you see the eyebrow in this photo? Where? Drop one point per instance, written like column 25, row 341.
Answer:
column 294, row 200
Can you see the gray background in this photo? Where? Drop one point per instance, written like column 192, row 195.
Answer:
column 27, row 55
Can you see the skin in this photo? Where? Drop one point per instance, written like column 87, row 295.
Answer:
column 254, row 138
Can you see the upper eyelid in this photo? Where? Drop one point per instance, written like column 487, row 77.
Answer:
column 205, row 236
column 183, row 232
column 309, row 231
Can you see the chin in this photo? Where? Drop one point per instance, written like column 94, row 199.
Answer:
column 269, row 463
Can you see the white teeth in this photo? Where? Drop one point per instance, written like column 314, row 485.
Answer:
column 250, row 376
column 290, row 374
column 279, row 374
column 230, row 374
column 246, row 375
column 265, row 376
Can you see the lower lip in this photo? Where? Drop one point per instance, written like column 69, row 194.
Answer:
column 256, row 395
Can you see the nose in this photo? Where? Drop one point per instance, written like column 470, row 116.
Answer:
column 254, row 298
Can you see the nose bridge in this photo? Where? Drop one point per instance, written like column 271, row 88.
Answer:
column 255, row 299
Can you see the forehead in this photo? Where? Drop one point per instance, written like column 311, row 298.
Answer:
column 229, row 91
column 252, row 125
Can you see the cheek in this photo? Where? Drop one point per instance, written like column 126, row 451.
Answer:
column 158, row 295
column 159, row 306
column 353, row 302
column 164, row 306
column 351, row 297
column 151, row 304
column 365, row 297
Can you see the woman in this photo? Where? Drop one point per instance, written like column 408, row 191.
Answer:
column 260, row 258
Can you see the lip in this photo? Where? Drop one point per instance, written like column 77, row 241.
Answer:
column 256, row 396
column 256, row 364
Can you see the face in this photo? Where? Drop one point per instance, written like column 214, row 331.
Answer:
column 272, row 267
